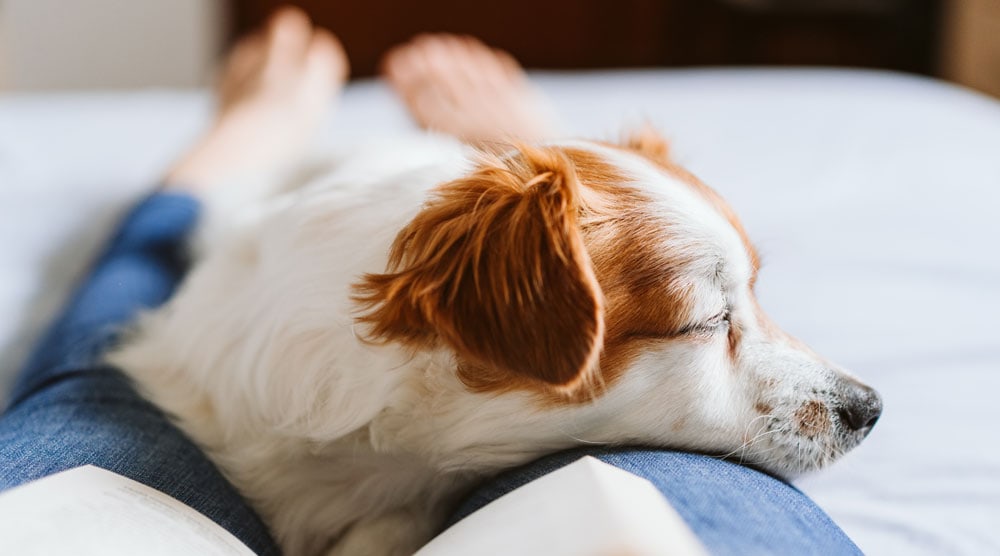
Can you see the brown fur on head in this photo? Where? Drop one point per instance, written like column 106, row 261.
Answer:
column 495, row 267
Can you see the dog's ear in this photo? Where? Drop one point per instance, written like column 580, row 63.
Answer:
column 494, row 266
column 648, row 142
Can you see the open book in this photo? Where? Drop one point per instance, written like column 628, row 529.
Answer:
column 587, row 508
column 90, row 511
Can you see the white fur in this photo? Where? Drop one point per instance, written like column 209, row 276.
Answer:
column 349, row 447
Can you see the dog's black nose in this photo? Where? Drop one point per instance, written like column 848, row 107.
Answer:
column 861, row 408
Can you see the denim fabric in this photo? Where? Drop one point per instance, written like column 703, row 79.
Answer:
column 96, row 417
column 68, row 410
column 731, row 508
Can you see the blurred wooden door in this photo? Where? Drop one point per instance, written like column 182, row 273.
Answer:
column 894, row 34
column 542, row 33
column 972, row 44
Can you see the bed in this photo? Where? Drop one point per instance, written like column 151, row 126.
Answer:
column 873, row 197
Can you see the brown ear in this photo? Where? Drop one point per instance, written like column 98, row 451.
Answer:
column 494, row 266
column 649, row 143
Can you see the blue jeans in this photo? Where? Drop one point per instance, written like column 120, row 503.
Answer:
column 68, row 409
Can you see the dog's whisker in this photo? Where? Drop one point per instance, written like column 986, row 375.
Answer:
column 748, row 443
column 591, row 442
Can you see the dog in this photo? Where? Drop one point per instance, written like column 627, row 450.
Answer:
column 356, row 353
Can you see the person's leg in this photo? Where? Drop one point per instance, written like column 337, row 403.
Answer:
column 732, row 509
column 68, row 409
column 96, row 417
column 274, row 94
column 460, row 86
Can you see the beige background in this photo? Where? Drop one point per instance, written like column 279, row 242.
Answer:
column 86, row 44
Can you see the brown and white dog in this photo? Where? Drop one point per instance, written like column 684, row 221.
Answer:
column 361, row 350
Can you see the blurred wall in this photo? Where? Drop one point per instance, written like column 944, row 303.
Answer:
column 85, row 44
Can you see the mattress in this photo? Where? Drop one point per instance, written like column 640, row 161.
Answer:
column 873, row 198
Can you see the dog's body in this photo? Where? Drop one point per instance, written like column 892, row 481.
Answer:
column 353, row 383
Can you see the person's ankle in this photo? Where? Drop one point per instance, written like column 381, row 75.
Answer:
column 274, row 97
column 212, row 161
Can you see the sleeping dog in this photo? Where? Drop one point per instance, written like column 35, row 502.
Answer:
column 355, row 353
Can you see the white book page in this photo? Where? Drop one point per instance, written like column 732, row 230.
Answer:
column 91, row 511
column 588, row 508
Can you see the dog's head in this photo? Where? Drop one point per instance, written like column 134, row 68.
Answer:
column 615, row 287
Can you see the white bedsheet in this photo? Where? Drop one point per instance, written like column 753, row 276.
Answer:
column 874, row 197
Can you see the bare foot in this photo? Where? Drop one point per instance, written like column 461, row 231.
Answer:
column 462, row 87
column 274, row 93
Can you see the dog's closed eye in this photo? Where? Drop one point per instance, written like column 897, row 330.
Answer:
column 716, row 323
column 720, row 319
